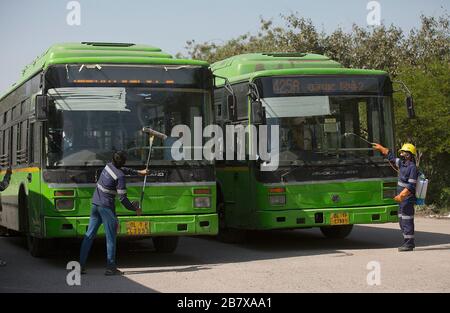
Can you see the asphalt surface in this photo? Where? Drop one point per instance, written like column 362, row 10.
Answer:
column 276, row 261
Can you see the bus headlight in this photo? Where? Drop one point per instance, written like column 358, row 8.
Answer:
column 64, row 204
column 277, row 200
column 389, row 193
column 202, row 202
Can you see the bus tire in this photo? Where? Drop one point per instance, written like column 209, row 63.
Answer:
column 38, row 247
column 165, row 244
column 3, row 231
column 337, row 232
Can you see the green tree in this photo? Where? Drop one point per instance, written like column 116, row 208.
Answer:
column 430, row 130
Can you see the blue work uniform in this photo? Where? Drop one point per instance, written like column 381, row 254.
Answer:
column 110, row 184
column 407, row 178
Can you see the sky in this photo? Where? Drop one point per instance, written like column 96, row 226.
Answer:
column 29, row 27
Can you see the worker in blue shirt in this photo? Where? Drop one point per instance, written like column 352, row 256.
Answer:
column 110, row 183
column 406, row 190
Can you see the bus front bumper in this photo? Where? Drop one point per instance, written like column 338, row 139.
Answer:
column 137, row 226
column 283, row 219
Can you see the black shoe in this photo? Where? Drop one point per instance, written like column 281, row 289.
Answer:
column 113, row 272
column 83, row 271
column 405, row 249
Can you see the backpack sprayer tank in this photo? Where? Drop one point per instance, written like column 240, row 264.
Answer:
column 421, row 189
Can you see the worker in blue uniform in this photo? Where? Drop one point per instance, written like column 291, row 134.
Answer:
column 110, row 183
column 406, row 190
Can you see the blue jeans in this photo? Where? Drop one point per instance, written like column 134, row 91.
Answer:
column 107, row 217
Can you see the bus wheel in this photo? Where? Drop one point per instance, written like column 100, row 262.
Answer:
column 337, row 232
column 38, row 247
column 3, row 231
column 165, row 244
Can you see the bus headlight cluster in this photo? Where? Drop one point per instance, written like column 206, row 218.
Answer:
column 202, row 202
column 277, row 200
column 389, row 193
column 277, row 196
column 64, row 204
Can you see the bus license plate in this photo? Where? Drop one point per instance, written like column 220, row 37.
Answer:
column 138, row 228
column 340, row 219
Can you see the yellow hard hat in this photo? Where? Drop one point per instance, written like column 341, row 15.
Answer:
column 408, row 148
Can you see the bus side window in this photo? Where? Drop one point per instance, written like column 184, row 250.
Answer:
column 1, row 147
column 23, row 142
column 31, row 143
column 5, row 156
column 8, row 147
column 15, row 136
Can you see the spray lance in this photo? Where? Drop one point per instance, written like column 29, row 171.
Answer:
column 352, row 134
column 152, row 134
column 370, row 143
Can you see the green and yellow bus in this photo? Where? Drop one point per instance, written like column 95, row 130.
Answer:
column 74, row 106
column 328, row 175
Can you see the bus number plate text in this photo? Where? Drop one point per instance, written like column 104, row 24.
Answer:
column 138, row 228
column 340, row 219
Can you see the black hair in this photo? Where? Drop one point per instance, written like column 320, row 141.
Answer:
column 119, row 158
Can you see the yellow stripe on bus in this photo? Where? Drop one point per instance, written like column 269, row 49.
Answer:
column 22, row 170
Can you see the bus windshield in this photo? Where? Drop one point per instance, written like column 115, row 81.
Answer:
column 86, row 124
column 327, row 128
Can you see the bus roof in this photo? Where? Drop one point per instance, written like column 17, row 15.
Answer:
column 99, row 52
column 246, row 67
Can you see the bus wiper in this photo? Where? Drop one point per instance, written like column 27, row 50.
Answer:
column 189, row 163
column 296, row 167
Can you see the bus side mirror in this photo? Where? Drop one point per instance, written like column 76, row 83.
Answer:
column 41, row 108
column 231, row 104
column 410, row 107
column 258, row 113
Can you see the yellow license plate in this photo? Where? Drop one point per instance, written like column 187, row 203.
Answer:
column 138, row 228
column 340, row 219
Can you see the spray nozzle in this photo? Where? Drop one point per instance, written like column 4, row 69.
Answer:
column 353, row 134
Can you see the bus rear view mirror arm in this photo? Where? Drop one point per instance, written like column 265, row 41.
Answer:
column 410, row 106
column 409, row 101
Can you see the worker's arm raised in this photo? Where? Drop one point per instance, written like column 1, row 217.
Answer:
column 388, row 154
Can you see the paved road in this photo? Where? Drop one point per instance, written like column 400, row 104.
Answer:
column 281, row 261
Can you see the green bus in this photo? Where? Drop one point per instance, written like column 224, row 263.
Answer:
column 328, row 175
column 74, row 106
